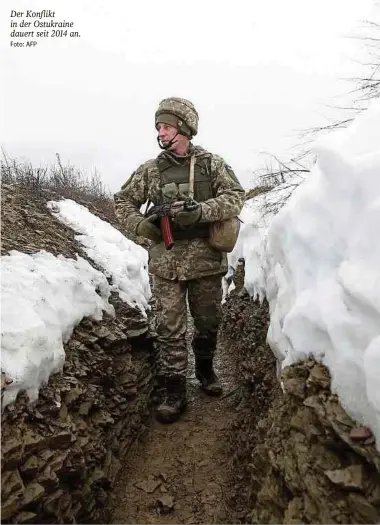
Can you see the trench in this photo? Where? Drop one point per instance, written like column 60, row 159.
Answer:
column 182, row 472
column 89, row 450
column 257, row 454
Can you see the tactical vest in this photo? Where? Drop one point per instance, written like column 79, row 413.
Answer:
column 174, row 185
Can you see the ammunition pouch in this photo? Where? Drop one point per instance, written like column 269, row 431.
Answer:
column 224, row 234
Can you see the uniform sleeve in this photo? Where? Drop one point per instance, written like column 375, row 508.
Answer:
column 229, row 195
column 127, row 202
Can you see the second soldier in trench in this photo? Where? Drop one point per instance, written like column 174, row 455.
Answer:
column 192, row 268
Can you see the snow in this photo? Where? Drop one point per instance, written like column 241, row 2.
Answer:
column 120, row 258
column 43, row 298
column 54, row 294
column 256, row 217
column 318, row 264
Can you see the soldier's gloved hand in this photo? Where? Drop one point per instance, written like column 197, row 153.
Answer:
column 189, row 217
column 147, row 229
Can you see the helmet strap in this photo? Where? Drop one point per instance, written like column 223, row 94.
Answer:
column 169, row 144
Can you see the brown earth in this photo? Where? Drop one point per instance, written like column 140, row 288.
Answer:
column 299, row 456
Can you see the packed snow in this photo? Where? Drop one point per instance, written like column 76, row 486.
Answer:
column 318, row 264
column 121, row 259
column 256, row 217
column 54, row 294
column 43, row 298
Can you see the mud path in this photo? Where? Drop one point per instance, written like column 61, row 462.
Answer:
column 181, row 472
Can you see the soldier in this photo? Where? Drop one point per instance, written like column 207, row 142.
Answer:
column 192, row 267
column 239, row 277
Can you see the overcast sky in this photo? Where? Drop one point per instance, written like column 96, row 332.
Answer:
column 257, row 71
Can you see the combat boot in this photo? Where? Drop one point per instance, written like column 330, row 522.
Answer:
column 205, row 373
column 173, row 399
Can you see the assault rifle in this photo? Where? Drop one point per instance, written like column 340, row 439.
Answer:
column 165, row 212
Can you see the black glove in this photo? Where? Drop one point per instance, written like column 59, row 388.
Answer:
column 189, row 217
column 147, row 229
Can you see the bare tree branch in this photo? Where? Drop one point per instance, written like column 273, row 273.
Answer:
column 283, row 177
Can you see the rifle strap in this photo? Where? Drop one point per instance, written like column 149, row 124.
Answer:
column 191, row 177
column 149, row 202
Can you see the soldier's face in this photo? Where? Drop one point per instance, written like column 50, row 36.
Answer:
column 166, row 132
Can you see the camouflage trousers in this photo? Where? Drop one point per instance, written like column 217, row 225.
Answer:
column 204, row 298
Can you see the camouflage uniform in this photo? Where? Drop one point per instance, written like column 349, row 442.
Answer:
column 192, row 269
column 204, row 296
column 191, row 264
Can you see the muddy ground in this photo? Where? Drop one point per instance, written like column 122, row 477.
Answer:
column 182, row 473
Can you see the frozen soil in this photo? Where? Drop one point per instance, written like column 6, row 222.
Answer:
column 182, row 473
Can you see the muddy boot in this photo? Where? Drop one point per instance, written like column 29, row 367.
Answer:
column 204, row 372
column 173, row 399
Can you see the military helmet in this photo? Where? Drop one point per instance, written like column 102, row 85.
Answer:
column 178, row 112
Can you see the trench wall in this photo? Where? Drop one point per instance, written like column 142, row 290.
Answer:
column 61, row 455
column 300, row 457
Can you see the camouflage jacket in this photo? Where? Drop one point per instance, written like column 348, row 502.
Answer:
column 188, row 259
column 239, row 277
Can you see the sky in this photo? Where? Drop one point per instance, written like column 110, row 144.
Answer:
column 258, row 71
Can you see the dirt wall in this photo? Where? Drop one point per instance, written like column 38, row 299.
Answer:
column 61, row 455
column 301, row 458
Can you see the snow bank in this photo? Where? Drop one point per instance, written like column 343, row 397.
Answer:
column 43, row 298
column 55, row 294
column 322, row 268
column 121, row 259
column 256, row 215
